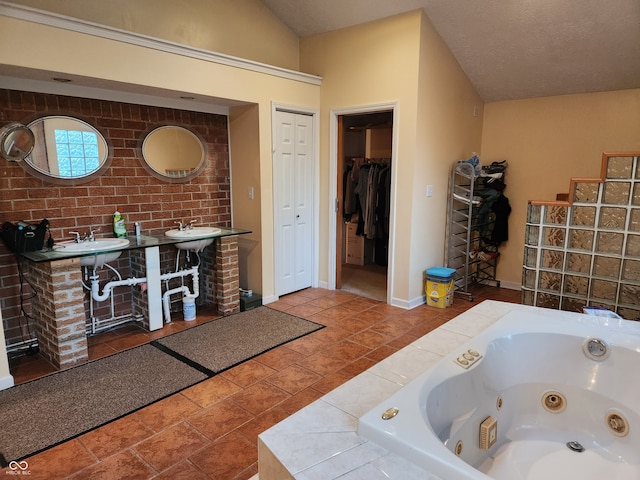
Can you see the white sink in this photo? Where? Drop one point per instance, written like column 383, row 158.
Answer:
column 98, row 246
column 197, row 237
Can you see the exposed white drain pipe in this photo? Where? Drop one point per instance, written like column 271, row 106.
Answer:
column 193, row 271
column 165, row 300
column 106, row 290
column 109, row 286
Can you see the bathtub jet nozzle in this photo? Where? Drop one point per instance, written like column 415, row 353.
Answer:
column 575, row 446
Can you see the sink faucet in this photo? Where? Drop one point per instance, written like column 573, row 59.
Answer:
column 190, row 225
column 77, row 234
column 180, row 225
column 91, row 236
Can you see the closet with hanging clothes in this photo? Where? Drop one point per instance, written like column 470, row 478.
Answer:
column 365, row 179
column 366, row 206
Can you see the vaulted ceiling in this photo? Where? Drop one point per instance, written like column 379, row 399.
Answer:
column 509, row 49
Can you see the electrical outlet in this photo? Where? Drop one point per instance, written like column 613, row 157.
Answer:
column 250, row 193
column 429, row 190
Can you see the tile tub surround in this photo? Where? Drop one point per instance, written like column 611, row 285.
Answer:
column 321, row 440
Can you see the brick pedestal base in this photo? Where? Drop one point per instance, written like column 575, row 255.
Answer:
column 58, row 309
column 227, row 275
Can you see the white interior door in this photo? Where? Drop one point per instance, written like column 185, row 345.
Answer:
column 293, row 193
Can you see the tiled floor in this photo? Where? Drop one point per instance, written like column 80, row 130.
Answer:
column 209, row 431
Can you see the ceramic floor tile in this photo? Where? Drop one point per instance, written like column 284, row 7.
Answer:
column 300, row 400
column 115, row 436
column 381, row 353
column 260, row 397
column 404, row 340
column 308, row 345
column 211, row 391
column 304, row 310
column 59, row 462
column 291, row 300
column 248, row 373
column 28, row 368
column 183, row 471
column 355, row 368
column 283, row 307
column 356, row 324
column 369, row 338
column 220, row 419
column 359, row 304
column 227, row 458
column 293, row 379
column 123, row 465
column 262, row 422
column 166, row 412
column 100, row 350
column 322, row 364
column 331, row 306
column 170, row 446
column 390, row 328
column 279, row 358
column 332, row 381
column 312, row 293
column 347, row 350
column 371, row 316
column 331, row 335
column 129, row 341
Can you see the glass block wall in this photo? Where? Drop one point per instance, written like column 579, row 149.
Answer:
column 586, row 252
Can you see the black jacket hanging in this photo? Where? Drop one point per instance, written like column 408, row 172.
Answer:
column 502, row 209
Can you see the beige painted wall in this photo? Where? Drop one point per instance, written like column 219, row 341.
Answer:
column 368, row 64
column 547, row 141
column 446, row 131
column 244, row 149
column 401, row 59
column 242, row 28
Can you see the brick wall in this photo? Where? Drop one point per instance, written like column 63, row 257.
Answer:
column 126, row 184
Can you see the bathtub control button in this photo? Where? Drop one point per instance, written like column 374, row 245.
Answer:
column 468, row 358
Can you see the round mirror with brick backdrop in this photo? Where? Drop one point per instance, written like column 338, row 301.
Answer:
column 173, row 153
column 66, row 150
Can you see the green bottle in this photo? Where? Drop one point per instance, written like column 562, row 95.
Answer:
column 119, row 228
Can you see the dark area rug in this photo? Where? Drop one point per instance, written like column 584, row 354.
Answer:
column 45, row 412
column 221, row 344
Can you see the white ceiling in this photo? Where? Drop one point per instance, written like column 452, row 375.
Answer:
column 509, row 49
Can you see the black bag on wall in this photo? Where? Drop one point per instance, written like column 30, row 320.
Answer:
column 24, row 237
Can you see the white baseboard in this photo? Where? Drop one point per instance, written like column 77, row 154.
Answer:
column 269, row 299
column 6, row 382
column 510, row 285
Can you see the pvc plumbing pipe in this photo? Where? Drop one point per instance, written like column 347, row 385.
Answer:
column 106, row 290
column 109, row 286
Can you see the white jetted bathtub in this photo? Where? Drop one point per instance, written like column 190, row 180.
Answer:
column 531, row 397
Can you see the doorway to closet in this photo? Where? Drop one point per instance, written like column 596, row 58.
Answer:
column 364, row 193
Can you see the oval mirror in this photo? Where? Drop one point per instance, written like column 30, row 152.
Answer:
column 66, row 148
column 173, row 153
column 16, row 142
